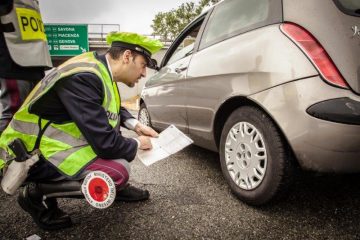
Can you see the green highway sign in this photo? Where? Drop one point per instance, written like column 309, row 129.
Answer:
column 67, row 39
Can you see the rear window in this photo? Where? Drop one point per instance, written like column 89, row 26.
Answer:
column 350, row 7
column 233, row 17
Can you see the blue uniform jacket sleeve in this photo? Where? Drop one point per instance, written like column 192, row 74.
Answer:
column 82, row 95
column 125, row 115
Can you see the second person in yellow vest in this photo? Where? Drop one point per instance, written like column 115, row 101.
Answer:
column 24, row 54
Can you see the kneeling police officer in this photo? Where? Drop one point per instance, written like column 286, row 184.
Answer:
column 72, row 118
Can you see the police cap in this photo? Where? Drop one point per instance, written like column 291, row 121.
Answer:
column 135, row 42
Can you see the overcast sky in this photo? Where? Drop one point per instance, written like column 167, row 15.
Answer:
column 132, row 15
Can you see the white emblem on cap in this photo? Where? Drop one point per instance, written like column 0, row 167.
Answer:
column 139, row 49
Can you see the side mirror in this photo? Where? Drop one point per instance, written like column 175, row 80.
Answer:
column 154, row 65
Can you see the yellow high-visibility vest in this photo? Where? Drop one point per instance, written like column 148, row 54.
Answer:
column 63, row 145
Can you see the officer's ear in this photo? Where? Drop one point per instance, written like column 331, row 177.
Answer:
column 126, row 56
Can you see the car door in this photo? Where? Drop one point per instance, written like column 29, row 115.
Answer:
column 165, row 92
column 223, row 61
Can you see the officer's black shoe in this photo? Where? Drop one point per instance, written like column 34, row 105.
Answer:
column 55, row 214
column 132, row 194
column 51, row 218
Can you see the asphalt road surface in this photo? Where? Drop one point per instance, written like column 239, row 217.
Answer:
column 190, row 200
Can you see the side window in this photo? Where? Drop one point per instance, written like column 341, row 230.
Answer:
column 183, row 50
column 233, row 17
column 186, row 46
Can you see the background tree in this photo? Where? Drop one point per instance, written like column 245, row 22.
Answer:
column 205, row 3
column 169, row 24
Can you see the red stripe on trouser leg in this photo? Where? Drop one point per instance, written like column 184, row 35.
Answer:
column 13, row 89
column 115, row 169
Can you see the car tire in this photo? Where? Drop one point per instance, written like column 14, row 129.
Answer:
column 255, row 159
column 144, row 116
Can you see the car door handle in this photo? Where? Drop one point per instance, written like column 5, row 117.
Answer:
column 179, row 70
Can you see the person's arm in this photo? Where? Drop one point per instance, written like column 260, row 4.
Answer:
column 132, row 123
column 125, row 115
column 82, row 96
column 6, row 7
column 127, row 120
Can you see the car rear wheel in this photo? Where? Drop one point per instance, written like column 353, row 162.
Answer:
column 144, row 116
column 255, row 160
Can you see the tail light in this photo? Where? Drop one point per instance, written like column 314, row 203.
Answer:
column 317, row 54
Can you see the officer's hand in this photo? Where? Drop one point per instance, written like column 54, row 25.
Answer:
column 145, row 143
column 143, row 130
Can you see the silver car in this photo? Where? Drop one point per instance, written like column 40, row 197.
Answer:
column 272, row 85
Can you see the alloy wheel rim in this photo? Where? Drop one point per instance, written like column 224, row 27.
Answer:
column 245, row 155
column 144, row 117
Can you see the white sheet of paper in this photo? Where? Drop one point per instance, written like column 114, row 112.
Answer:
column 170, row 141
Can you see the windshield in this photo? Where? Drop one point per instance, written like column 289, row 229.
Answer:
column 350, row 7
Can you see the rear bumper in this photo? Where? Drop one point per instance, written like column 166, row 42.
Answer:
column 329, row 147
column 323, row 138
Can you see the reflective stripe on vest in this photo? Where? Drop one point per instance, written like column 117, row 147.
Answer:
column 2, row 163
column 50, row 132
column 27, row 44
column 63, row 145
column 69, row 70
column 3, row 154
column 3, row 157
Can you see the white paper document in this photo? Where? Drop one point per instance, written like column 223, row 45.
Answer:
column 170, row 141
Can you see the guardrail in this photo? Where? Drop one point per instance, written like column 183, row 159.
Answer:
column 97, row 35
column 99, row 31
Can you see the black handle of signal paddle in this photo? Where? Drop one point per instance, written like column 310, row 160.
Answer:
column 19, row 149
